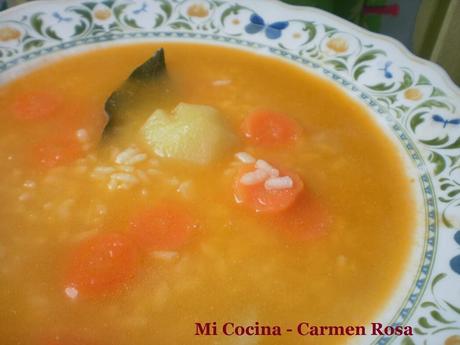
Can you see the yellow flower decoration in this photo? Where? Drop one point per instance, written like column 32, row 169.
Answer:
column 413, row 94
column 102, row 14
column 337, row 44
column 9, row 34
column 453, row 340
column 198, row 10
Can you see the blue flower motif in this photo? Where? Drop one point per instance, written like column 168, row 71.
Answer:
column 60, row 18
column 439, row 118
column 455, row 261
column 386, row 71
column 141, row 9
column 272, row 31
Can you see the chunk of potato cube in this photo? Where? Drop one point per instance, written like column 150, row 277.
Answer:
column 194, row 133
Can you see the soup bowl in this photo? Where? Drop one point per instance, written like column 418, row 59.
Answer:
column 413, row 101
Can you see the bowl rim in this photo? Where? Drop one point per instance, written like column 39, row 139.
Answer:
column 356, row 28
column 433, row 70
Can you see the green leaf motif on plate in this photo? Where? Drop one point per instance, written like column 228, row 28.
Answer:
column 357, row 62
column 369, row 55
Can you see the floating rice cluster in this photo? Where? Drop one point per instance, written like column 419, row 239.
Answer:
column 132, row 167
column 124, row 173
column 263, row 172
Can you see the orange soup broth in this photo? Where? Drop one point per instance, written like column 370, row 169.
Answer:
column 240, row 266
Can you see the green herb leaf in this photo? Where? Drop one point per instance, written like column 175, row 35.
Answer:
column 149, row 73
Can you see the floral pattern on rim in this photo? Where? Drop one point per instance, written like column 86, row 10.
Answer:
column 455, row 261
column 439, row 316
column 272, row 31
column 420, row 109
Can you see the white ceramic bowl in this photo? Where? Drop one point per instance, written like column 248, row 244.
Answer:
column 413, row 100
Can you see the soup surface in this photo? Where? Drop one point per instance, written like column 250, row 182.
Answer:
column 75, row 205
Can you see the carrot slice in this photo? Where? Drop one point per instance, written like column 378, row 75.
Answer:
column 101, row 265
column 268, row 128
column 81, row 113
column 306, row 220
column 263, row 200
column 167, row 226
column 68, row 114
column 57, row 150
column 36, row 105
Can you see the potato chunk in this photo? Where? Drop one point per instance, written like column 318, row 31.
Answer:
column 194, row 133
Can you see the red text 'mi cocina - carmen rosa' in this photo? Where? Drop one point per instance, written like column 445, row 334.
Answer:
column 302, row 329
